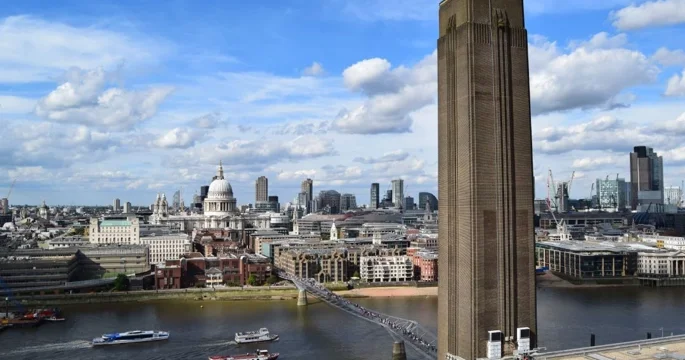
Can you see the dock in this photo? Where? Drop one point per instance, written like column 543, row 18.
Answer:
column 668, row 347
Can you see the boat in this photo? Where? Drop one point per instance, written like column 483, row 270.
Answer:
column 255, row 336
column 54, row 319
column 259, row 355
column 129, row 337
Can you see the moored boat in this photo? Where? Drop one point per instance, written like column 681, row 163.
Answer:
column 255, row 336
column 259, row 355
column 129, row 337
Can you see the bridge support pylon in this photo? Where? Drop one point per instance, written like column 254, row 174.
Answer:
column 302, row 298
column 398, row 351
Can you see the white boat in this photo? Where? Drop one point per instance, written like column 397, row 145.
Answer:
column 255, row 336
column 129, row 337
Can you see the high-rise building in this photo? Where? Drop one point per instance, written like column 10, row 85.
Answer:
column 262, row 189
column 646, row 177
column 409, row 203
column 398, row 193
column 374, row 199
column 329, row 199
column 127, row 208
column 430, row 198
column 348, row 202
column 4, row 206
column 561, row 198
column 307, row 187
column 485, row 166
column 611, row 194
column 117, row 205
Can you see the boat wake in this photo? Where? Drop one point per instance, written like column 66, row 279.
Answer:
column 71, row 345
column 220, row 343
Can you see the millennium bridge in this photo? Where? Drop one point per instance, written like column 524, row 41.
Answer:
column 403, row 331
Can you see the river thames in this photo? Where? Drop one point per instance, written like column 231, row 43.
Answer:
column 566, row 318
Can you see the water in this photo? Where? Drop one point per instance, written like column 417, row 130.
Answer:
column 566, row 319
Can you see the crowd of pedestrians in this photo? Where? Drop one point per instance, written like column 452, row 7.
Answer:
column 321, row 291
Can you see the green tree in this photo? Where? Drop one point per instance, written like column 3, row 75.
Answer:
column 121, row 283
column 356, row 274
column 252, row 280
column 272, row 279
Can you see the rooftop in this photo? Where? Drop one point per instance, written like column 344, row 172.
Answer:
column 670, row 347
column 596, row 246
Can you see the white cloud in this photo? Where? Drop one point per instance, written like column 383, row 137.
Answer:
column 649, row 14
column 397, row 155
column 207, row 121
column 81, row 100
column 180, row 138
column 393, row 95
column 315, row 69
column 676, row 85
column 668, row 57
column 675, row 127
column 35, row 50
column 591, row 163
column 592, row 75
column 296, row 175
column 601, row 40
column 16, row 105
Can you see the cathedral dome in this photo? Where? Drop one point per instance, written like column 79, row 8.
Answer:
column 220, row 188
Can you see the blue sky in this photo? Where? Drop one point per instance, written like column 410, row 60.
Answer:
column 129, row 98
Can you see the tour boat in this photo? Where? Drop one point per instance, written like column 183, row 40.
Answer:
column 259, row 355
column 54, row 318
column 255, row 336
column 129, row 337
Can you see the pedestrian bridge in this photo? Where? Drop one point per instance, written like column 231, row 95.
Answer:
column 422, row 341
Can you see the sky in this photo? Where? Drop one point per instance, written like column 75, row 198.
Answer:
column 126, row 99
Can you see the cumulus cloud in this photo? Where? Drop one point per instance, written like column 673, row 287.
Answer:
column 591, row 75
column 668, row 57
column 83, row 99
column 178, row 138
column 604, row 133
column 397, row 155
column 676, row 85
column 675, row 127
column 591, row 163
column 393, row 94
column 304, row 127
column 315, row 69
column 649, row 14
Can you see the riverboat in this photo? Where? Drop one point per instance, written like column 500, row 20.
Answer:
column 259, row 355
column 129, row 337
column 255, row 336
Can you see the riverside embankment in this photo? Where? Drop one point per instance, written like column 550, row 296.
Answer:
column 209, row 294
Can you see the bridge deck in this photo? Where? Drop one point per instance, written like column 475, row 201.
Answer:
column 422, row 341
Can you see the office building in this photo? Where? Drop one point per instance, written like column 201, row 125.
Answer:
column 127, row 208
column 123, row 230
column 398, row 193
column 485, row 163
column 673, row 195
column 4, row 207
column 409, row 203
column 116, row 206
column 386, row 269
column 374, row 199
column 348, row 202
column 329, row 201
column 166, row 246
column 426, row 197
column 262, row 189
column 611, row 194
column 646, row 177
column 307, row 187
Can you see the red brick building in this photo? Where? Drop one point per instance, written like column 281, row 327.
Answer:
column 425, row 265
column 194, row 269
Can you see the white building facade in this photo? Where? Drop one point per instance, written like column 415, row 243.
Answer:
column 661, row 263
column 166, row 247
column 125, row 230
column 386, row 268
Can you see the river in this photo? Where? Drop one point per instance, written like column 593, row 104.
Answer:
column 566, row 317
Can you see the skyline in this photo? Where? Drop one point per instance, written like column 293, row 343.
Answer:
column 124, row 101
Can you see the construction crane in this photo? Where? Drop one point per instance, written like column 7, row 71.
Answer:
column 568, row 189
column 592, row 192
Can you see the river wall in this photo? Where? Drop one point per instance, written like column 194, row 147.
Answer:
column 194, row 294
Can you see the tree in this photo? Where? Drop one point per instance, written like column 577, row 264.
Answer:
column 252, row 280
column 272, row 279
column 356, row 274
column 121, row 283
